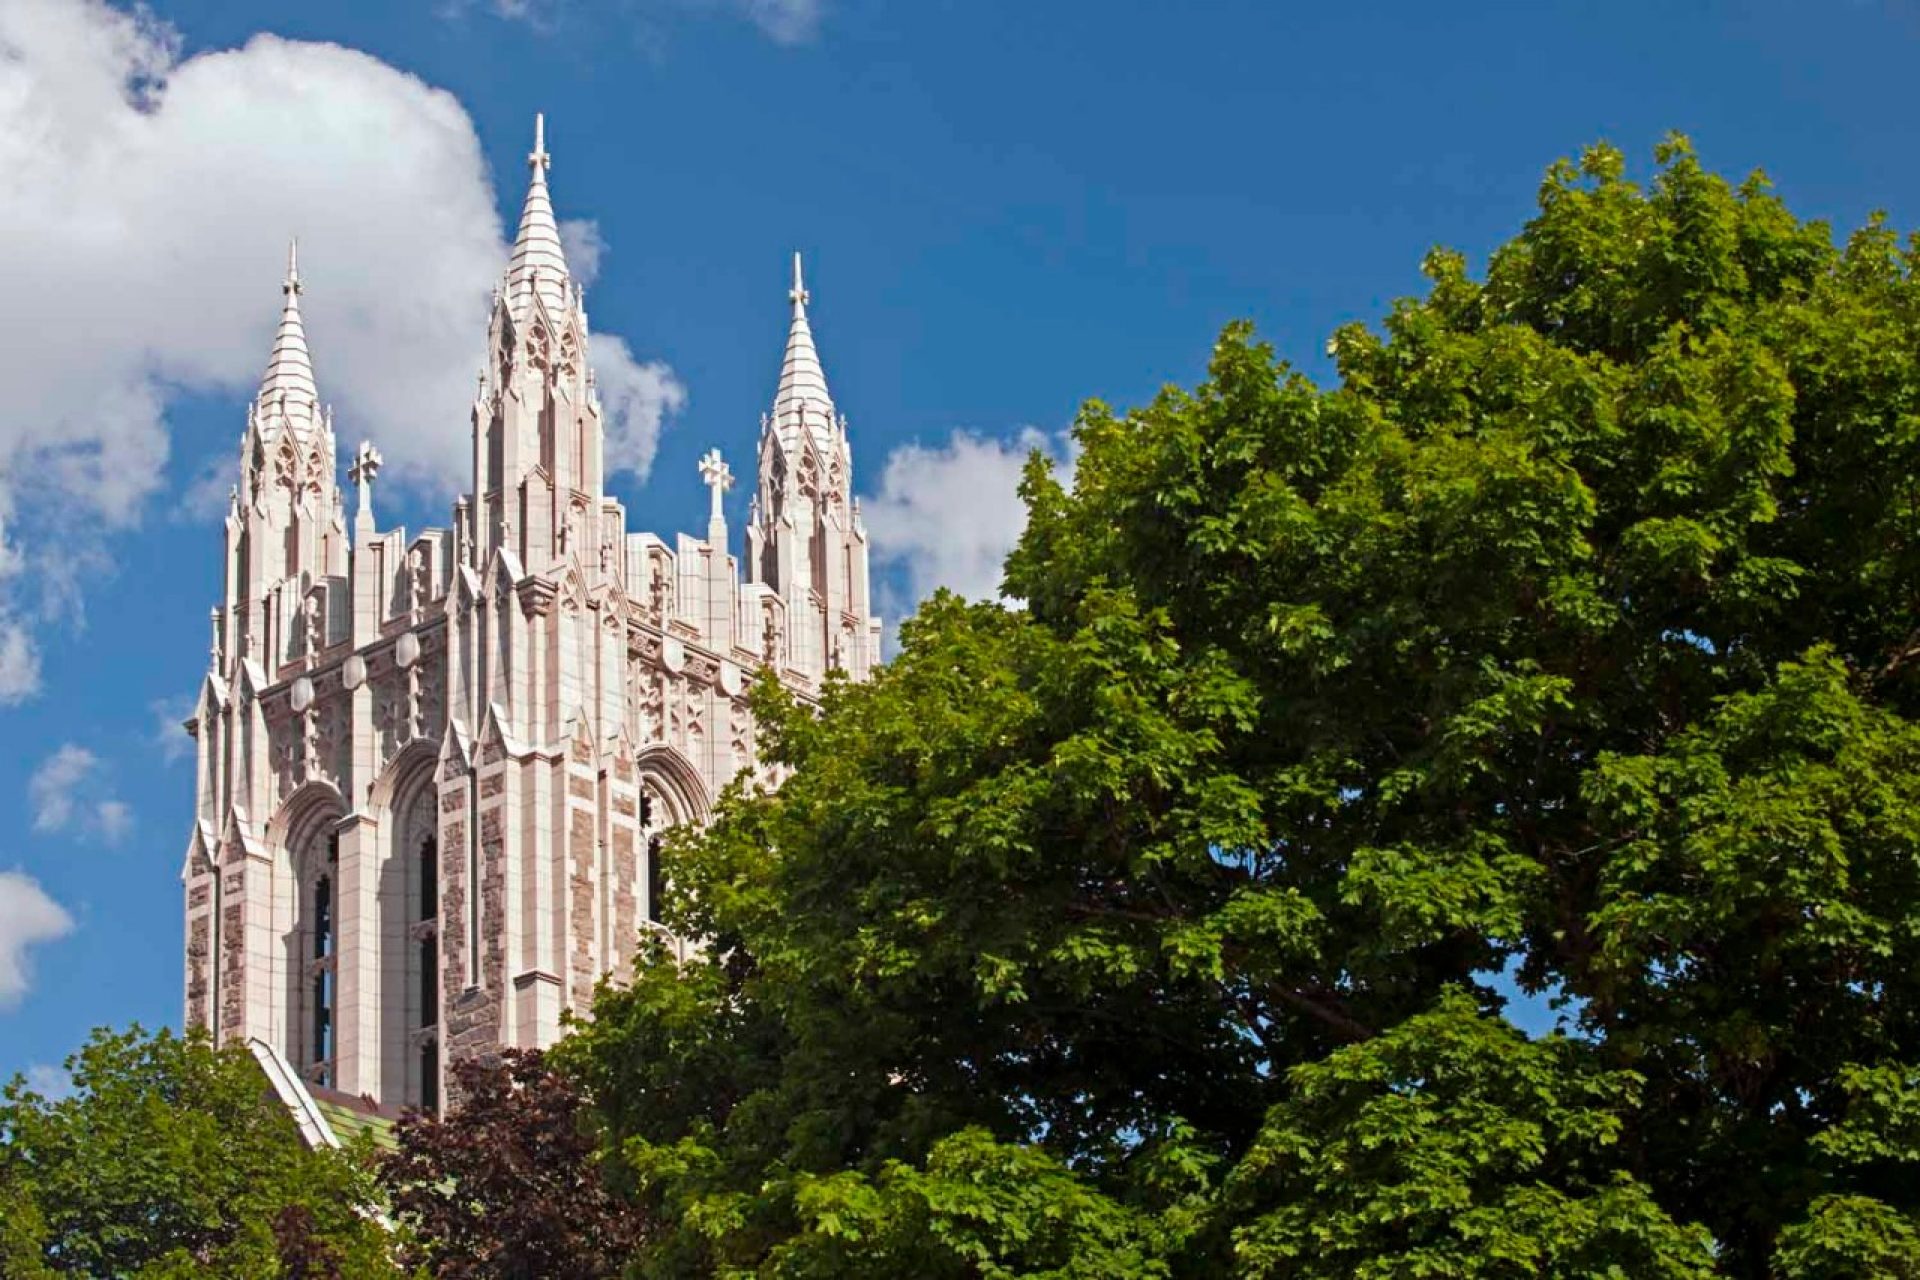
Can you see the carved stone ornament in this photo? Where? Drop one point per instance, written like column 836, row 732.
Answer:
column 673, row 655
column 730, row 679
column 406, row 651
column 353, row 672
column 301, row 695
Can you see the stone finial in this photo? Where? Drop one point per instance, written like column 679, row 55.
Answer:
column 798, row 295
column 719, row 478
column 366, row 465
column 538, row 157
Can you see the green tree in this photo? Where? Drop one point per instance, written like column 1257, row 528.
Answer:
column 172, row 1158
column 1153, row 928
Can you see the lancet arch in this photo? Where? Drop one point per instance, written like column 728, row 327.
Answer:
column 404, row 804
column 304, row 839
column 672, row 794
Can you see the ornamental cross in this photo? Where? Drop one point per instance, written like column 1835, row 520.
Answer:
column 538, row 159
column 366, row 465
column 719, row 478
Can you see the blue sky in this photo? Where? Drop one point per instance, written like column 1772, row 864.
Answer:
column 1006, row 208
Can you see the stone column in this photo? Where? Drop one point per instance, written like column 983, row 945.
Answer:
column 357, row 956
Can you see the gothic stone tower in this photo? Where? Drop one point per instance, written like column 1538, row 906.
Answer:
column 433, row 770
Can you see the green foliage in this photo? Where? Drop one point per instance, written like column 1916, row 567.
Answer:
column 1150, row 929
column 1452, row 1146
column 172, row 1158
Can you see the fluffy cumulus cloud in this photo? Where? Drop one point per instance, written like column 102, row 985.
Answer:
column 72, row 792
column 143, row 231
column 946, row 515
column 28, row 918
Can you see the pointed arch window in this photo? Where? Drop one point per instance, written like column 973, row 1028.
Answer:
column 319, row 909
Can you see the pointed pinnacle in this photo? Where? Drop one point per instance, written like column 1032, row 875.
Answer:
column 538, row 157
column 798, row 295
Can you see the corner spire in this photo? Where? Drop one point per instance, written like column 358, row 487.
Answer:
column 802, row 395
column 288, row 383
column 538, row 264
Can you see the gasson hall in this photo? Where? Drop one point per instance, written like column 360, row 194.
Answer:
column 433, row 769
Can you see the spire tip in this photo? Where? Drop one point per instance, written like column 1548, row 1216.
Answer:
column 539, row 158
column 798, row 295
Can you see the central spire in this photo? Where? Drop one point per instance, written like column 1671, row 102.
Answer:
column 802, row 394
column 288, row 382
column 538, row 265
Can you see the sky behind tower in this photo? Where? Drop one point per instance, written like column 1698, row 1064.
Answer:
column 1005, row 209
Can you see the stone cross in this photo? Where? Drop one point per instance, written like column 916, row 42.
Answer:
column 366, row 465
column 719, row 478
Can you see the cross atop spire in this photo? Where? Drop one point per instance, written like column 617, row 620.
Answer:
column 798, row 295
column 538, row 159
column 538, row 265
column 288, row 385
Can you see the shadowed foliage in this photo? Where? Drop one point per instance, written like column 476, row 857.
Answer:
column 507, row 1186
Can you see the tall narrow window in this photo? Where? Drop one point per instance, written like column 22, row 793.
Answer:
column 323, row 977
column 430, row 1078
column 429, row 942
column 425, row 961
column 656, row 883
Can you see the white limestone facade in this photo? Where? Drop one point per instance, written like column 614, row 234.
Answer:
column 433, row 769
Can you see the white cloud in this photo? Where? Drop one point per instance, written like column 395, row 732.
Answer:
column 19, row 662
column 71, row 791
column 584, row 245
column 786, row 21
column 782, row 21
column 143, row 230
column 635, row 398
column 51, row 1083
column 947, row 516
column 170, row 736
column 28, row 917
column 203, row 494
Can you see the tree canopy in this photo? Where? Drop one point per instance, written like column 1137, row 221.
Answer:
column 173, row 1159
column 1163, row 923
